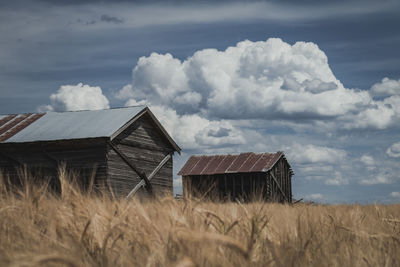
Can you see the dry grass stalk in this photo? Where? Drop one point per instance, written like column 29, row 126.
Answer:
column 38, row 227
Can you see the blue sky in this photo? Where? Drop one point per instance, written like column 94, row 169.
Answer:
column 316, row 79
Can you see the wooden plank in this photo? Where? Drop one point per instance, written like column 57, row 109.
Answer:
column 8, row 156
column 135, row 143
column 140, row 154
column 142, row 175
column 146, row 132
column 154, row 172
column 242, row 185
column 226, row 185
column 279, row 187
column 233, row 188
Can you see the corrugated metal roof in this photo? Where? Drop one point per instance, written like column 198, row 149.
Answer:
column 14, row 124
column 219, row 164
column 65, row 125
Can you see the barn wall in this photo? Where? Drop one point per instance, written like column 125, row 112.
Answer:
column 282, row 173
column 230, row 186
column 146, row 147
column 82, row 157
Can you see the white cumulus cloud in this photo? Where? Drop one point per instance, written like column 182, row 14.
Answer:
column 259, row 80
column 316, row 196
column 263, row 79
column 315, row 154
column 319, row 163
column 386, row 87
column 337, row 179
column 77, row 97
column 377, row 115
column 394, row 150
column 379, row 178
column 194, row 132
column 395, row 194
column 368, row 161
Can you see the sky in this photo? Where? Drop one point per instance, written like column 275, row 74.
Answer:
column 319, row 80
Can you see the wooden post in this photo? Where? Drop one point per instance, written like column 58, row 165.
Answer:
column 242, row 186
column 233, row 187
column 226, row 186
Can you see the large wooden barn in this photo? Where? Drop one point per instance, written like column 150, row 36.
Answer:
column 126, row 150
column 245, row 176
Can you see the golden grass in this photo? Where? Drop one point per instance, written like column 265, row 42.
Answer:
column 38, row 228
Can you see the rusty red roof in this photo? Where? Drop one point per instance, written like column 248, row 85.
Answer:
column 219, row 164
column 12, row 124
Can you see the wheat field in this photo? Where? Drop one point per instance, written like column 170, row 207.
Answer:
column 39, row 228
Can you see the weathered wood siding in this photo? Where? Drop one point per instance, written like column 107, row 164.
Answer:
column 146, row 147
column 283, row 175
column 242, row 186
column 42, row 160
column 230, row 186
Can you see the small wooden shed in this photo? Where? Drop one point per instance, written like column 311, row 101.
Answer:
column 125, row 149
column 245, row 176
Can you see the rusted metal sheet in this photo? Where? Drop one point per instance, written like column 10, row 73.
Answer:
column 213, row 165
column 249, row 163
column 266, row 162
column 201, row 165
column 192, row 161
column 272, row 160
column 225, row 163
column 6, row 119
column 219, row 164
column 13, row 123
column 235, row 166
column 21, row 123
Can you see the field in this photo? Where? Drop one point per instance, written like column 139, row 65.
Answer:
column 38, row 228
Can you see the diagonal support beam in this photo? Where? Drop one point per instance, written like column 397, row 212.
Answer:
column 152, row 174
column 280, row 189
column 141, row 174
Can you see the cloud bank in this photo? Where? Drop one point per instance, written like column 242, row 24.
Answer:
column 265, row 80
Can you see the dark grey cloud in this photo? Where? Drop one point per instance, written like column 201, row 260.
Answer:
column 297, row 2
column 111, row 19
column 103, row 18
column 221, row 132
column 188, row 3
